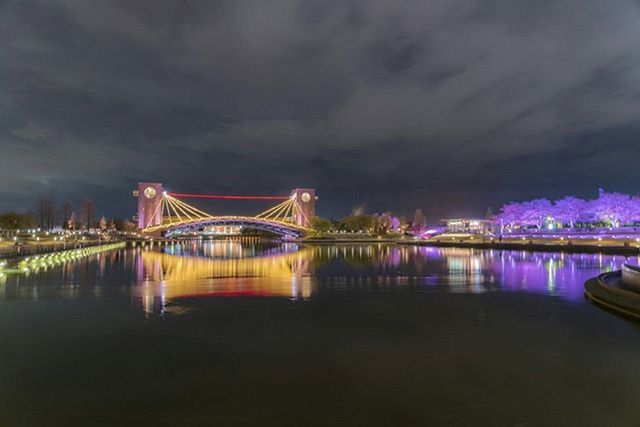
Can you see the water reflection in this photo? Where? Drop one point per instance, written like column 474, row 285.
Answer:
column 220, row 269
column 155, row 277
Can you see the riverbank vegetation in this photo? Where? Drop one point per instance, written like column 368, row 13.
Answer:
column 386, row 224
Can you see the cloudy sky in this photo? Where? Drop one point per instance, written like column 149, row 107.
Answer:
column 446, row 105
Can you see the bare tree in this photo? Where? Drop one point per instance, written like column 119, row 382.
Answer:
column 102, row 224
column 45, row 211
column 489, row 214
column 65, row 213
column 71, row 222
column 86, row 214
column 419, row 221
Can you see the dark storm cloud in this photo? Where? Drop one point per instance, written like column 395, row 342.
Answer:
column 447, row 105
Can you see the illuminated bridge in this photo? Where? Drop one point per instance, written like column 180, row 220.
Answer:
column 164, row 213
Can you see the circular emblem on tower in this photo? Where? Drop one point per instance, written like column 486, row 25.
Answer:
column 149, row 192
column 306, row 197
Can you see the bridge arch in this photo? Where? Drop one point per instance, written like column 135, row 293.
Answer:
column 161, row 212
column 278, row 227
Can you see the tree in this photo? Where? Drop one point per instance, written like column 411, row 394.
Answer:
column 568, row 209
column 419, row 221
column 613, row 208
column 86, row 214
column 355, row 223
column 511, row 214
column 535, row 212
column 102, row 224
column 394, row 224
column 489, row 214
column 531, row 213
column 403, row 223
column 383, row 223
column 125, row 225
column 320, row 224
column 71, row 222
column 17, row 221
column 10, row 221
column 46, row 212
column 65, row 213
column 635, row 208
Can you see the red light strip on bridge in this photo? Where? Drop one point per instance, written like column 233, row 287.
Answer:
column 216, row 196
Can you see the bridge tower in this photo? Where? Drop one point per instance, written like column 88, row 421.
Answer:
column 306, row 201
column 149, row 196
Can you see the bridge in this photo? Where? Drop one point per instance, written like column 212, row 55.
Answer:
column 164, row 213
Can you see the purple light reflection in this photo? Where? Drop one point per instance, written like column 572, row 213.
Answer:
column 556, row 274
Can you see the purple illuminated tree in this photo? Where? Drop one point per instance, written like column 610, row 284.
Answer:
column 613, row 208
column 635, row 208
column 511, row 214
column 568, row 209
column 535, row 212
column 394, row 224
column 383, row 222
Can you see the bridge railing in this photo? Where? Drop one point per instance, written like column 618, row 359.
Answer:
column 30, row 250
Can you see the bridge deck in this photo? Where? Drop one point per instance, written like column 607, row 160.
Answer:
column 279, row 227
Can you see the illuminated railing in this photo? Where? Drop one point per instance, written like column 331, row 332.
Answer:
column 53, row 259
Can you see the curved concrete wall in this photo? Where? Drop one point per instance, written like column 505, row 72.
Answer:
column 631, row 276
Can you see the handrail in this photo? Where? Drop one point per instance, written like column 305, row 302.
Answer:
column 635, row 268
column 631, row 277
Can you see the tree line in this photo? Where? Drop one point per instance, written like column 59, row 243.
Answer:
column 611, row 209
column 48, row 215
column 360, row 222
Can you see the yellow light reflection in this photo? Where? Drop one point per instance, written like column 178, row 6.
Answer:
column 163, row 277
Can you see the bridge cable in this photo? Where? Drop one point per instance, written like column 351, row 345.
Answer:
column 154, row 213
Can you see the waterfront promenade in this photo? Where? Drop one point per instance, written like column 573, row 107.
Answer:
column 623, row 244
column 617, row 291
column 10, row 250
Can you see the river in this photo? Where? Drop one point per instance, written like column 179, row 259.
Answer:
column 244, row 332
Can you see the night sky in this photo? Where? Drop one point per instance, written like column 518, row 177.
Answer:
column 447, row 105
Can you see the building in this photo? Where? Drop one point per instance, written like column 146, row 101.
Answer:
column 469, row 226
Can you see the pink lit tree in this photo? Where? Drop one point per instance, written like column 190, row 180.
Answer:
column 635, row 208
column 568, row 209
column 613, row 208
column 511, row 214
column 394, row 224
column 536, row 212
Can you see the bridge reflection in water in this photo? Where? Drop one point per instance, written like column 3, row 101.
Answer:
column 220, row 269
column 233, row 269
column 156, row 277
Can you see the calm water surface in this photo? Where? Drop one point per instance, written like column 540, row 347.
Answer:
column 231, row 333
